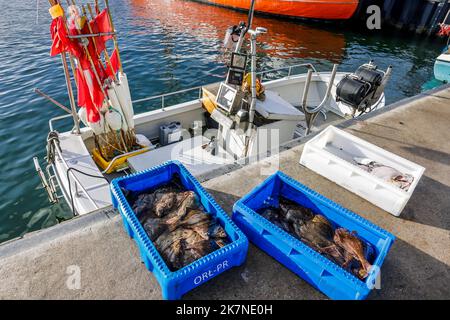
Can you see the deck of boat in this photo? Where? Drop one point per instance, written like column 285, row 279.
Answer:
column 417, row 267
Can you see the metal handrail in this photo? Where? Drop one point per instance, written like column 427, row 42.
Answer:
column 75, row 179
column 164, row 96
column 289, row 68
column 50, row 122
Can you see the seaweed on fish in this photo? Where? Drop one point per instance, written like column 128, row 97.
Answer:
column 339, row 245
column 178, row 225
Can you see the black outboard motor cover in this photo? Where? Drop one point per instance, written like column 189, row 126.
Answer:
column 371, row 75
column 352, row 91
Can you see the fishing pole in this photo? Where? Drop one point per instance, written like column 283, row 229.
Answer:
column 39, row 92
column 116, row 45
column 97, row 10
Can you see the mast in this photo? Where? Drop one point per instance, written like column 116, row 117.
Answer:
column 247, row 27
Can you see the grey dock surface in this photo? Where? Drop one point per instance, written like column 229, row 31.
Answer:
column 417, row 267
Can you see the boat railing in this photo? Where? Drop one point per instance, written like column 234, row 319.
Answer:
column 289, row 70
column 79, row 188
column 165, row 96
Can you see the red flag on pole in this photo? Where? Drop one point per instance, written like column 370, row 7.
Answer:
column 61, row 43
column 101, row 24
column 84, row 98
column 115, row 64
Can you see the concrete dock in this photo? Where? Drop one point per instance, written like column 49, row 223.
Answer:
column 417, row 267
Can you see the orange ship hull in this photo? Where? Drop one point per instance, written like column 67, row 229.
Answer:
column 308, row 9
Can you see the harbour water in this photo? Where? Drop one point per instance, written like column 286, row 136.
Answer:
column 166, row 45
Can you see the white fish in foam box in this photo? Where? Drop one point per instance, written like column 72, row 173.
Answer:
column 340, row 157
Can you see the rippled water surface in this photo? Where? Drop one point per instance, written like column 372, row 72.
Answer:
column 166, row 45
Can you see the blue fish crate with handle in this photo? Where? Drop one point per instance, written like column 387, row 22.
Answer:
column 323, row 274
column 175, row 284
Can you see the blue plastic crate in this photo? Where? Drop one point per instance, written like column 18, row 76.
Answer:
column 175, row 284
column 317, row 270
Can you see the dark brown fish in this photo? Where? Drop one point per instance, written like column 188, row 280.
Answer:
column 164, row 202
column 173, row 255
column 318, row 233
column 270, row 214
column 295, row 213
column 165, row 240
column 354, row 247
column 175, row 221
column 194, row 249
column 143, row 206
column 157, row 226
column 216, row 231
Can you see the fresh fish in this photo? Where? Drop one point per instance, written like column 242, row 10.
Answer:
column 164, row 202
column 177, row 224
column 165, row 240
column 195, row 248
column 318, row 233
column 355, row 249
column 157, row 226
column 335, row 253
column 143, row 206
column 295, row 213
column 386, row 173
column 216, row 231
column 173, row 255
column 184, row 201
column 270, row 214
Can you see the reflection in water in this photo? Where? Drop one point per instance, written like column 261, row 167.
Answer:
column 284, row 40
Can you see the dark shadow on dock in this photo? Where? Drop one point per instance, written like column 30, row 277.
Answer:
column 429, row 204
column 429, row 154
column 411, row 274
column 362, row 135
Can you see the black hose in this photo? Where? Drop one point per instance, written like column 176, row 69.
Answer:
column 70, row 187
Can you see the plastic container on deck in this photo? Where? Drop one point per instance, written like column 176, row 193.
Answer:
column 331, row 155
column 175, row 284
column 317, row 270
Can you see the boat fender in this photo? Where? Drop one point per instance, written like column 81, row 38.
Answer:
column 98, row 127
column 125, row 100
column 83, row 116
column 117, row 106
column 113, row 119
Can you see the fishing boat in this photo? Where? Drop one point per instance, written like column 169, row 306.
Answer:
column 442, row 66
column 442, row 63
column 246, row 117
column 304, row 9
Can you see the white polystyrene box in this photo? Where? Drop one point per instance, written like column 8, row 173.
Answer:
column 331, row 155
